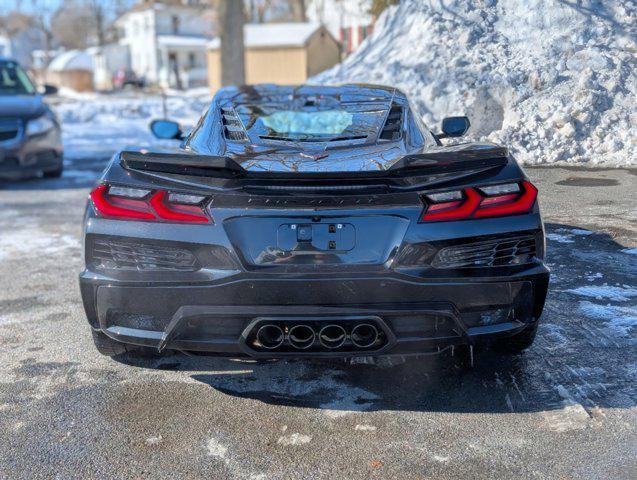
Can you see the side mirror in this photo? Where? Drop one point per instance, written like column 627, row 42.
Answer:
column 454, row 127
column 48, row 90
column 166, row 129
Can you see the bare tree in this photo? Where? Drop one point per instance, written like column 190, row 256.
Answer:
column 231, row 21
column 73, row 25
column 298, row 10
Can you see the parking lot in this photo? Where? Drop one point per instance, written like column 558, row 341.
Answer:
column 564, row 409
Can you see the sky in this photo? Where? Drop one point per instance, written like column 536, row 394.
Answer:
column 28, row 6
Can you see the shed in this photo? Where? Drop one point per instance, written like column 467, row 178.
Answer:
column 72, row 69
column 283, row 53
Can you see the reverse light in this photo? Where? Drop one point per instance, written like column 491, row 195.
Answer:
column 482, row 202
column 139, row 204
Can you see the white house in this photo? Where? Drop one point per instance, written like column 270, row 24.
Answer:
column 347, row 20
column 167, row 41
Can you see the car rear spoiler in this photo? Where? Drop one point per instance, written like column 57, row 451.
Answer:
column 181, row 163
column 480, row 157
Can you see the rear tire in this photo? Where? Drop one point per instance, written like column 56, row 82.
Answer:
column 518, row 342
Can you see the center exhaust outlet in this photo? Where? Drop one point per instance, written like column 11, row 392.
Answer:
column 301, row 337
column 332, row 336
column 270, row 336
column 364, row 335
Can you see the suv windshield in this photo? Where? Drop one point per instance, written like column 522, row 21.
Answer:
column 14, row 80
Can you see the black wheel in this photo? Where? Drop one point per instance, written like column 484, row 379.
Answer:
column 518, row 342
column 54, row 173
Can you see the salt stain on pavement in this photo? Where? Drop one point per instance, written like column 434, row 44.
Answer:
column 571, row 416
column 365, row 428
column 294, row 439
column 221, row 453
column 26, row 241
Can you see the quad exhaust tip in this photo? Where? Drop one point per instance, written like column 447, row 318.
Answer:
column 270, row 336
column 332, row 336
column 301, row 336
column 364, row 335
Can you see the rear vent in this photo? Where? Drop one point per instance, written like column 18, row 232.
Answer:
column 492, row 253
column 117, row 255
column 232, row 126
column 392, row 130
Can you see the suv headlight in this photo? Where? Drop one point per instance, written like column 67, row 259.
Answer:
column 40, row 125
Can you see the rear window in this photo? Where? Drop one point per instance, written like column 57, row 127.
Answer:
column 14, row 80
column 312, row 122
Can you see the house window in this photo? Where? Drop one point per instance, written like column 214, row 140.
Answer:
column 175, row 24
column 192, row 60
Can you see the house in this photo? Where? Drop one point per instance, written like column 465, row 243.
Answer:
column 283, row 53
column 347, row 20
column 167, row 41
column 73, row 70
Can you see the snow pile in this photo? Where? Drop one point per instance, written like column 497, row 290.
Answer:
column 96, row 126
column 556, row 80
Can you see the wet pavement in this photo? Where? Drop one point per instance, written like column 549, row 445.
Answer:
column 564, row 409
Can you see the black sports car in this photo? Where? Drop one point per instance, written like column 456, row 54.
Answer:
column 30, row 134
column 313, row 221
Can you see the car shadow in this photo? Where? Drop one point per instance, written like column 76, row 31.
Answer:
column 583, row 355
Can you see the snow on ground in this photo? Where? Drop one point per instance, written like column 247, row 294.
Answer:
column 619, row 320
column 556, row 80
column 610, row 292
column 97, row 125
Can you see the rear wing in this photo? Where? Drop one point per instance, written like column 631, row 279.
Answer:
column 182, row 163
column 468, row 157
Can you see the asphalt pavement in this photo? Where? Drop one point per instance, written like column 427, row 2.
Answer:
column 564, row 409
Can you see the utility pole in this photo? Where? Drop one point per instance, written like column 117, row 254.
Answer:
column 231, row 21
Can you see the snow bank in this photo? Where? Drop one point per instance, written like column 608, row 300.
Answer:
column 556, row 80
column 96, row 126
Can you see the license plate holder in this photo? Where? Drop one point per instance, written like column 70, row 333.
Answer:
column 322, row 237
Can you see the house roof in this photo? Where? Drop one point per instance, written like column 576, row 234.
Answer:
column 72, row 60
column 261, row 35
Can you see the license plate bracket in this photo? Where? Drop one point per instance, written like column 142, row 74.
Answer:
column 322, row 237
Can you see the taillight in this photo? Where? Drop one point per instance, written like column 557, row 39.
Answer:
column 138, row 204
column 491, row 201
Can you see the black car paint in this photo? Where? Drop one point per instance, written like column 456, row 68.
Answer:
column 243, row 278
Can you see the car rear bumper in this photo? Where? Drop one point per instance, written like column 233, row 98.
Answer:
column 414, row 315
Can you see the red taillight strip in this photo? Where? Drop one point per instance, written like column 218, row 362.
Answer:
column 173, row 214
column 464, row 210
column 474, row 205
column 155, row 208
column 523, row 204
column 107, row 208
